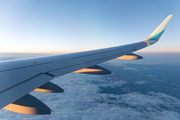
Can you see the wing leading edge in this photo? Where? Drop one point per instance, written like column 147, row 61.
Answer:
column 19, row 77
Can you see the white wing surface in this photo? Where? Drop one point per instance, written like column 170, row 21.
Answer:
column 19, row 77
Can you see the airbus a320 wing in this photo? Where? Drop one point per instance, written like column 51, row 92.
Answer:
column 19, row 77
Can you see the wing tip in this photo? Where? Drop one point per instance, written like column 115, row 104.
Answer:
column 171, row 15
column 157, row 33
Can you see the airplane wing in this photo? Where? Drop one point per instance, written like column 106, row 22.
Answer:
column 19, row 77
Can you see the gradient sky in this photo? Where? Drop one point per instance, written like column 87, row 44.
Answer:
column 58, row 26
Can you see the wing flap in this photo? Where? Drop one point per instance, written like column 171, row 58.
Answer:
column 19, row 90
column 13, row 77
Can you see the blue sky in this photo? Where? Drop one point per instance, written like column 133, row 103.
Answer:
column 59, row 26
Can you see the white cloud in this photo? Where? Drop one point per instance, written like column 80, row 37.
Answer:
column 146, row 69
column 134, row 69
column 140, row 82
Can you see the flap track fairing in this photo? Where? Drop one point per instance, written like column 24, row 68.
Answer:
column 130, row 56
column 28, row 105
column 49, row 87
column 95, row 70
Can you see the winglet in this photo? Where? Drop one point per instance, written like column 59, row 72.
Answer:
column 156, row 35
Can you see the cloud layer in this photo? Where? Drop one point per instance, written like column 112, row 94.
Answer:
column 84, row 98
